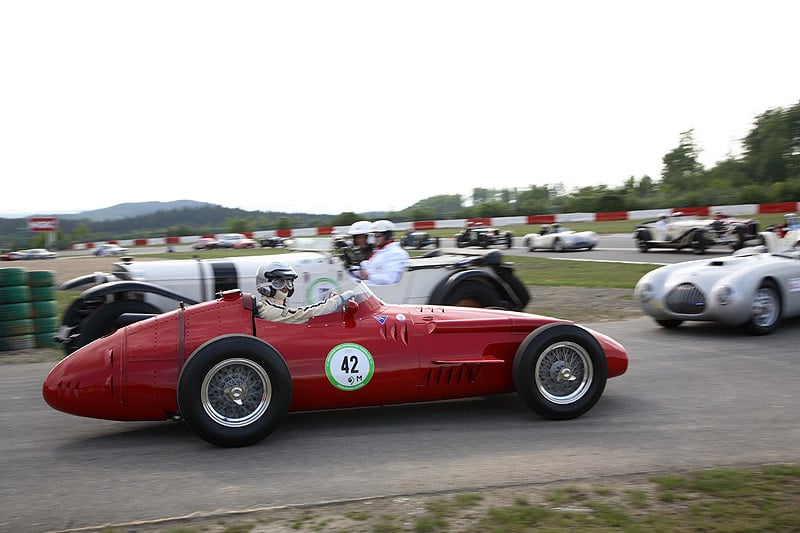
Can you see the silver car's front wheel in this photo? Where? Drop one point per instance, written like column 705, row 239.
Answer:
column 765, row 310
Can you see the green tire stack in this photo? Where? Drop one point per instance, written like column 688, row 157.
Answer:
column 28, row 309
column 44, row 307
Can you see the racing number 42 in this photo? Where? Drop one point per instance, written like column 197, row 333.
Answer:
column 349, row 366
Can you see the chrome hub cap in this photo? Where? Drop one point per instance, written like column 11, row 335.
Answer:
column 564, row 373
column 764, row 308
column 236, row 392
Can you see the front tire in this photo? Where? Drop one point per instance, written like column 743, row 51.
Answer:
column 669, row 323
column 765, row 310
column 560, row 371
column 234, row 391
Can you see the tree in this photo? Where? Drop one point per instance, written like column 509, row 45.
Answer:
column 237, row 225
column 480, row 195
column 346, row 218
column 439, row 206
column 681, row 166
column 534, row 201
column 772, row 148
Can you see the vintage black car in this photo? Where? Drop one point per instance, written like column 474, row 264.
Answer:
column 483, row 236
column 272, row 242
column 419, row 239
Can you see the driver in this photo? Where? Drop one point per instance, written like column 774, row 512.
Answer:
column 275, row 283
column 359, row 231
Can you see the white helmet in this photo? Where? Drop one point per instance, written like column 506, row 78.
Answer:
column 382, row 226
column 274, row 276
column 362, row 227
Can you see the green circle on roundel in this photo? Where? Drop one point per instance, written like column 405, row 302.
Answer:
column 319, row 289
column 349, row 366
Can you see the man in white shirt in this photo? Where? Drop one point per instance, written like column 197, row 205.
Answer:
column 388, row 260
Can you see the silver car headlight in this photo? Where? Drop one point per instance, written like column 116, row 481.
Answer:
column 644, row 291
column 725, row 294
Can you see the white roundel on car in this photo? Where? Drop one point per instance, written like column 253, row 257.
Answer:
column 319, row 289
column 349, row 366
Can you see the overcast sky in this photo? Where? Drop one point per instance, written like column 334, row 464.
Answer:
column 329, row 106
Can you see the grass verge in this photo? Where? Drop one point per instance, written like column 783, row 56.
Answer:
column 764, row 499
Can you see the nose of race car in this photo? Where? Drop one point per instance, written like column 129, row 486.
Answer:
column 83, row 383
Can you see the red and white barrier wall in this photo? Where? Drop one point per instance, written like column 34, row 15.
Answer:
column 423, row 225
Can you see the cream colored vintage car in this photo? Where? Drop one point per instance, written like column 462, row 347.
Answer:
column 695, row 233
column 471, row 278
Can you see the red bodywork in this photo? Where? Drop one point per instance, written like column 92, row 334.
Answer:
column 420, row 353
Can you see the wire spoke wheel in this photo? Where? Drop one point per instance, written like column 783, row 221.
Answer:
column 236, row 392
column 563, row 373
column 560, row 371
column 765, row 310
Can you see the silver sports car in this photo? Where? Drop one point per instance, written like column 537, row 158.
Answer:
column 751, row 288
column 559, row 239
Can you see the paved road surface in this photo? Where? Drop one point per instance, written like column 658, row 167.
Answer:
column 697, row 396
column 616, row 247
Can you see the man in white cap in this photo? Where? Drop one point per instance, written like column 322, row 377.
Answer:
column 388, row 260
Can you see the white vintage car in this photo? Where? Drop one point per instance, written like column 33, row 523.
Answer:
column 475, row 278
column 783, row 237
column 679, row 232
column 558, row 238
column 752, row 288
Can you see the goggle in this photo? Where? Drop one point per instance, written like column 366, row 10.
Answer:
column 280, row 283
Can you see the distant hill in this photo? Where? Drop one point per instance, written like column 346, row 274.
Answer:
column 158, row 219
column 132, row 210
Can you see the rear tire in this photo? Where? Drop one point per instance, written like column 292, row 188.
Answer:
column 472, row 293
column 560, row 371
column 739, row 242
column 234, row 391
column 698, row 246
column 102, row 321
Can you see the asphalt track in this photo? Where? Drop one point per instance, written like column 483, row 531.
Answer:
column 698, row 396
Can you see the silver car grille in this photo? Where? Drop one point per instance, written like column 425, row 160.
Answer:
column 686, row 299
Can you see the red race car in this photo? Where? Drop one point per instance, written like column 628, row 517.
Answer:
column 233, row 377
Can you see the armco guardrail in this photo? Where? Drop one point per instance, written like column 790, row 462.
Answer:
column 423, row 225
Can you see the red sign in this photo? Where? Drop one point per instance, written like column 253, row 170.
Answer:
column 43, row 224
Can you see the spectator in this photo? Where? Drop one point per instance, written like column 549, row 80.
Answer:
column 388, row 260
column 275, row 283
